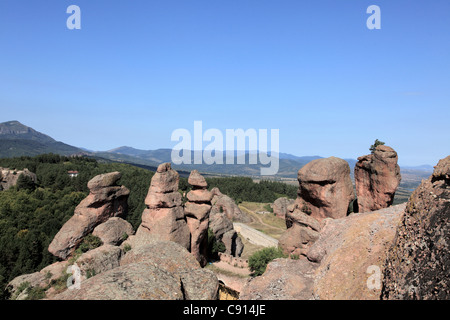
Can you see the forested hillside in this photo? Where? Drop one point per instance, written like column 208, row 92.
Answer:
column 31, row 214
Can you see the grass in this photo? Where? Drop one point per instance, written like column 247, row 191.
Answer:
column 249, row 248
column 267, row 223
column 217, row 270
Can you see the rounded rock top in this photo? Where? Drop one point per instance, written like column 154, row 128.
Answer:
column 104, row 180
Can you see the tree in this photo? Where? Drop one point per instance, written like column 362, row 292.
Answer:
column 214, row 246
column 375, row 145
column 260, row 259
column 25, row 182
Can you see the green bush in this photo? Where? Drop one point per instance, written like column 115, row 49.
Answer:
column 214, row 246
column 375, row 145
column 90, row 242
column 259, row 260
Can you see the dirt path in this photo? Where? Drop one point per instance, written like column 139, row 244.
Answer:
column 254, row 215
column 225, row 266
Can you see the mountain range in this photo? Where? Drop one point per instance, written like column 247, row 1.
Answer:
column 17, row 139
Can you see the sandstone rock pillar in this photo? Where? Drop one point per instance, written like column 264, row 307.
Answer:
column 197, row 211
column 377, row 177
column 163, row 218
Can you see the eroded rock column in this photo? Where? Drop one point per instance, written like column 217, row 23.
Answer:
column 197, row 211
column 377, row 177
column 163, row 218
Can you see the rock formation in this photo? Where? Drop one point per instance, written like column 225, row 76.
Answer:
column 164, row 216
column 418, row 263
column 104, row 201
column 162, row 270
column 284, row 279
column 377, row 177
column 325, row 188
column 8, row 178
column 338, row 266
column 302, row 231
column 197, row 211
column 114, row 231
column 350, row 250
column 280, row 206
column 224, row 204
column 221, row 224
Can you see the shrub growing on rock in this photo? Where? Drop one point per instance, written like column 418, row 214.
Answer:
column 259, row 260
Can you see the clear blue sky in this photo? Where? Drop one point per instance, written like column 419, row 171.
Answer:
column 137, row 70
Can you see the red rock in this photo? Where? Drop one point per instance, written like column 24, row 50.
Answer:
column 377, row 177
column 113, row 231
column 284, row 279
column 417, row 265
column 197, row 180
column 200, row 195
column 346, row 250
column 168, row 224
column 163, row 200
column 197, row 216
column 280, row 206
column 165, row 179
column 102, row 203
column 164, row 217
column 325, row 188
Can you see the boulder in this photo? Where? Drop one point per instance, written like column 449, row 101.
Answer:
column 233, row 243
column 40, row 279
column 98, row 260
column 197, row 180
column 223, row 230
column 284, row 279
column 164, row 217
column 173, row 257
column 103, row 202
column 280, row 206
column 325, row 188
column 114, row 231
column 137, row 281
column 417, row 265
column 302, row 231
column 224, row 204
column 377, row 177
column 351, row 252
column 162, row 270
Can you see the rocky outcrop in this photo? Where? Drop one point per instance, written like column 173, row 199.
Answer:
column 325, row 188
column 164, row 217
column 349, row 250
column 114, row 231
column 284, row 279
column 223, row 230
column 197, row 211
column 8, row 178
column 98, row 260
column 377, row 177
column 302, row 231
column 325, row 191
column 345, row 263
column 163, row 270
column 221, row 224
column 224, row 204
column 280, row 206
column 418, row 263
column 104, row 201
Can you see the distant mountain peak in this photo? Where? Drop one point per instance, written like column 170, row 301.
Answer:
column 17, row 139
column 15, row 130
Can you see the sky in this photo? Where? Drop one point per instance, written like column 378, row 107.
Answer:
column 138, row 70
